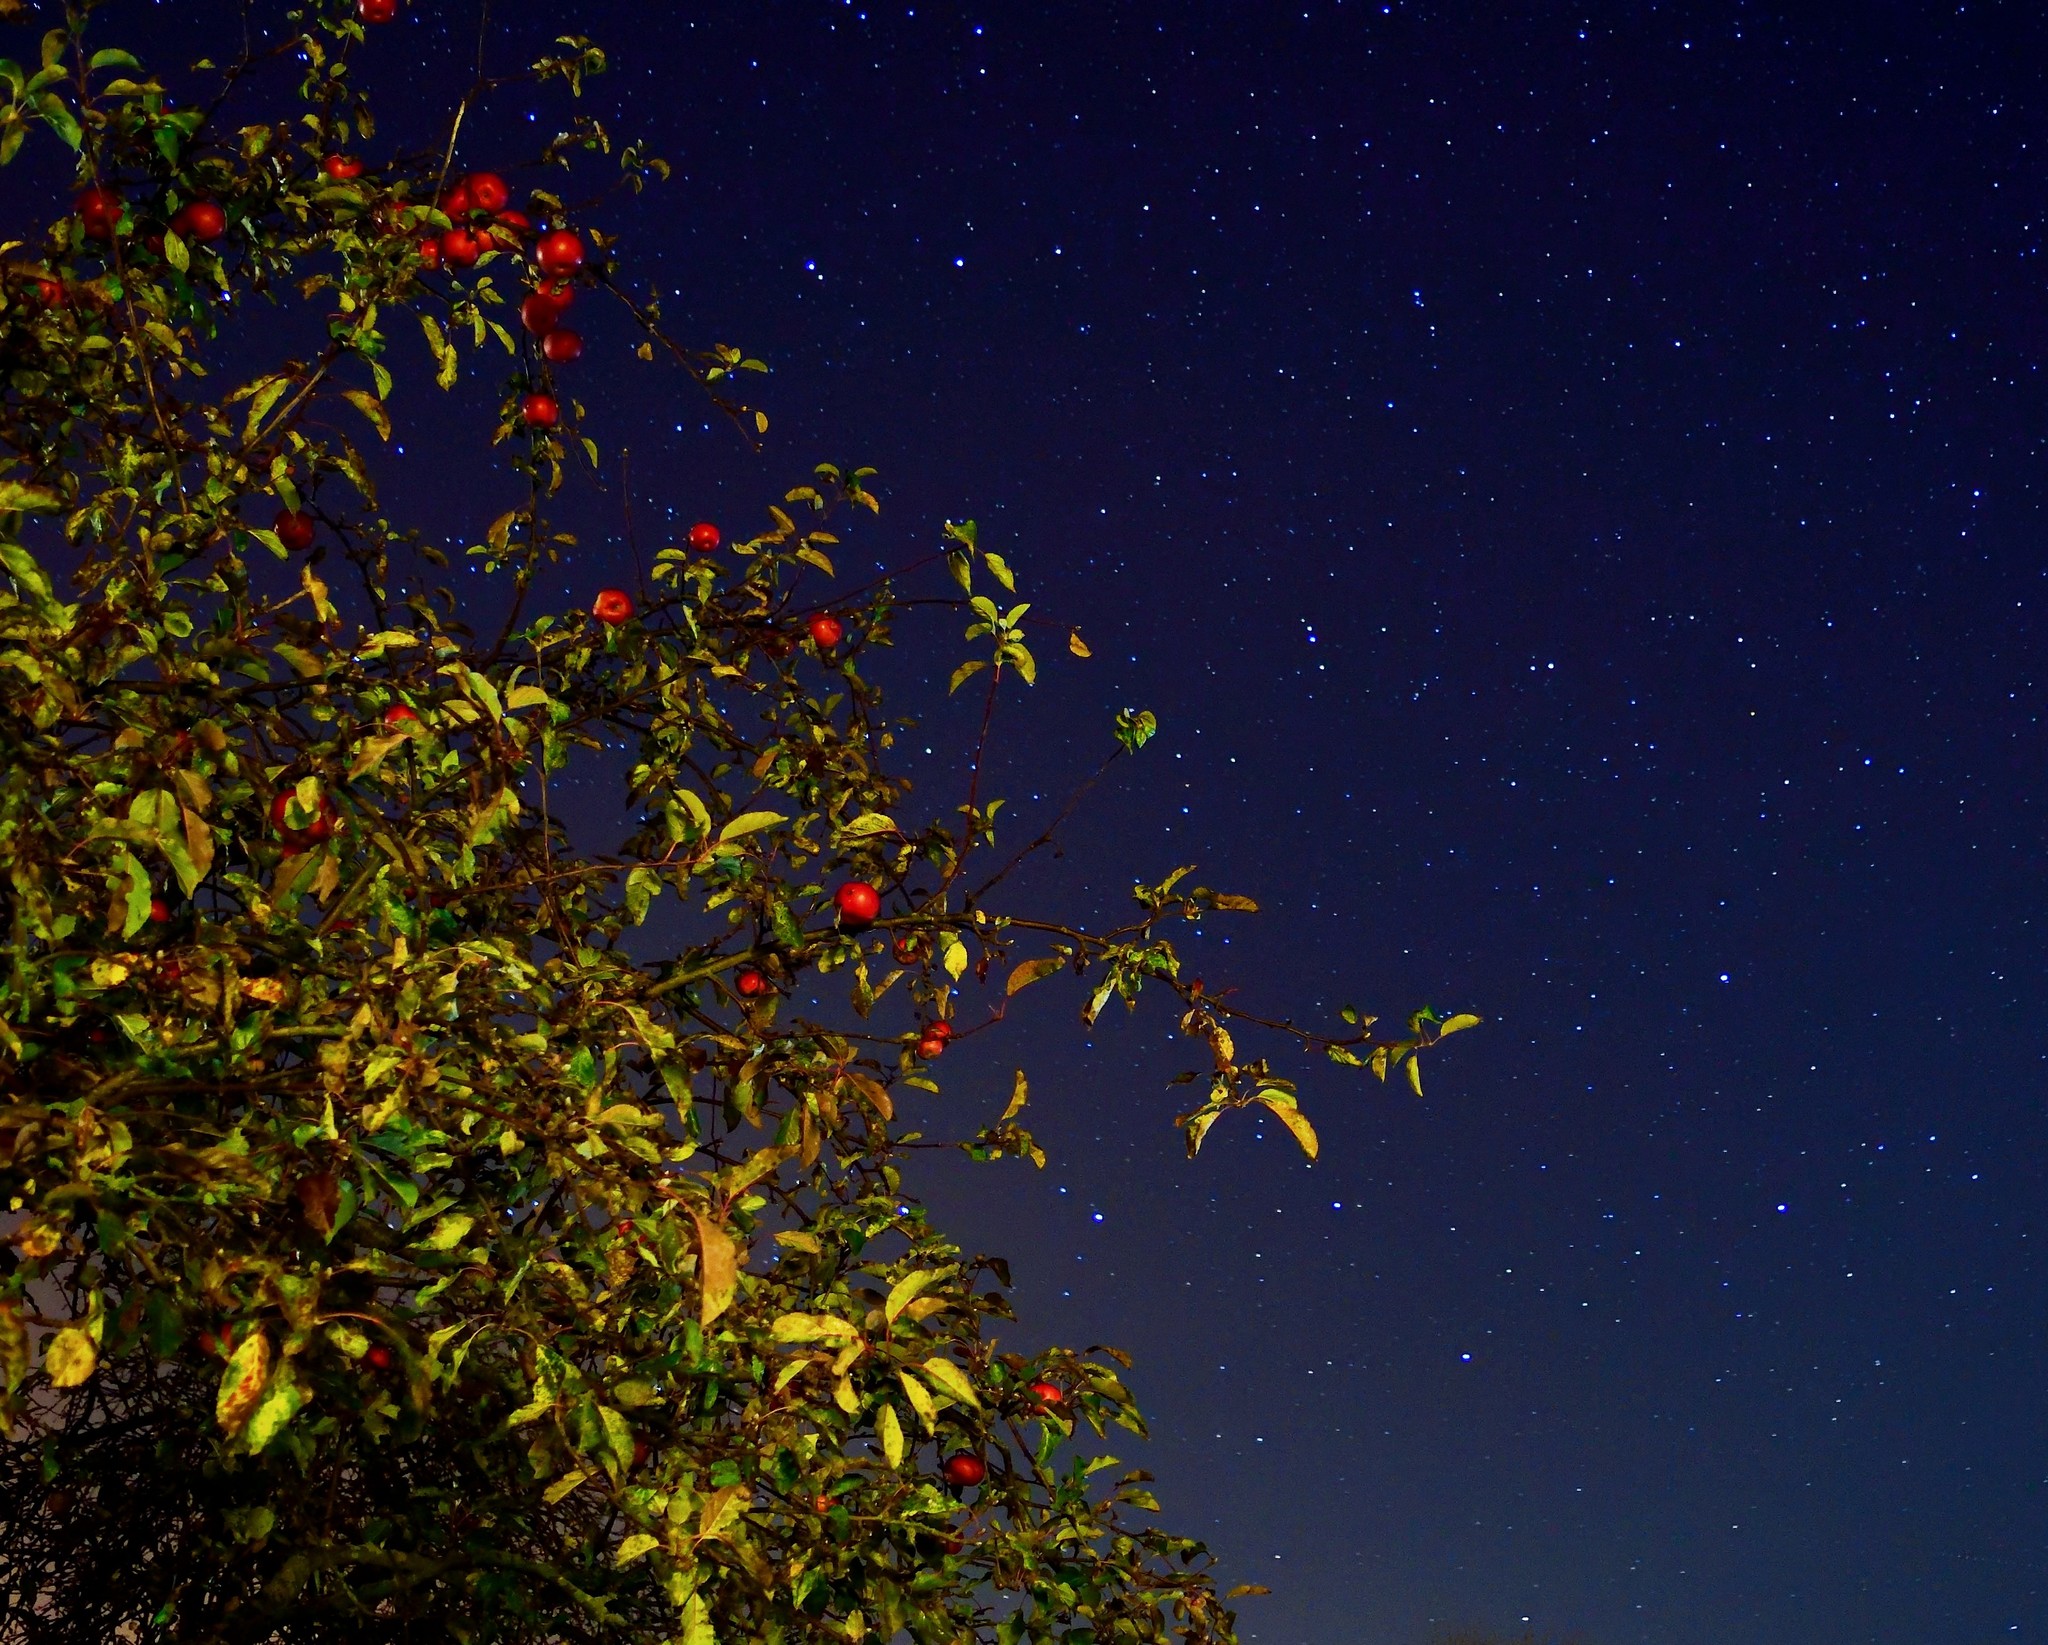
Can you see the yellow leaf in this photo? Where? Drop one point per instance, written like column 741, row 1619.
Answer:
column 1020, row 1094
column 750, row 822
column 1031, row 971
column 1415, row 1073
column 372, row 753
column 903, row 1290
column 1077, row 645
column 952, row 954
column 718, row 1274
column 920, row 1400
column 563, row 1486
column 1457, row 1024
column 890, row 1432
column 950, row 1380
column 71, row 1357
column 1295, row 1120
column 813, row 1328
column 634, row 1546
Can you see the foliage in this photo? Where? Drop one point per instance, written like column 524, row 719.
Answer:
column 393, row 1251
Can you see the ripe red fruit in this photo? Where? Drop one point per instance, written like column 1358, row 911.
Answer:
column 826, row 630
column 962, row 1470
column 612, row 606
column 513, row 224
column 908, row 950
column 822, row 1503
column 1048, row 1393
column 559, row 252
column 487, row 191
column 48, row 292
column 200, row 221
column 430, row 250
column 540, row 411
column 934, row 1040
column 562, row 345
column 460, row 248
column 377, row 11
column 316, row 832
column 541, row 311
column 99, row 209
column 159, row 910
column 455, row 202
column 294, row 530
column 751, row 983
column 858, row 903
column 342, row 167
column 379, row 1356
column 399, row 714
column 704, row 537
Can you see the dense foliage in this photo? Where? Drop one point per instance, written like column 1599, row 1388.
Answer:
column 392, row 1249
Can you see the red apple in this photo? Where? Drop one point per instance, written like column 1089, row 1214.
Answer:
column 377, row 11
column 460, row 248
column 541, row 311
column 559, row 252
column 455, row 202
column 100, row 210
column 933, row 1041
column 540, row 411
column 512, row 224
column 399, row 715
column 487, row 191
column 704, row 537
column 316, row 832
column 379, row 1356
column 562, row 345
column 200, row 221
column 1048, row 1394
column 751, row 982
column 909, row 950
column 48, row 292
column 430, row 250
column 159, row 910
column 342, row 168
column 858, row 903
column 294, row 529
column 962, row 1470
column 612, row 607
column 826, row 630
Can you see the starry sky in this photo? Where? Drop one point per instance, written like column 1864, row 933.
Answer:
column 1569, row 482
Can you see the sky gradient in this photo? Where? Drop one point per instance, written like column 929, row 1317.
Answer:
column 1569, row 482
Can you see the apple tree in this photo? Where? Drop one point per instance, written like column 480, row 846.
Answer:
column 419, row 1224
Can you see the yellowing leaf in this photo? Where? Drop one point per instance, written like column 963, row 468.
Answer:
column 1294, row 1119
column 283, row 1398
column 903, row 1290
column 71, row 1358
column 1414, row 1066
column 1020, row 1094
column 1031, row 971
column 241, row 1384
column 720, row 1509
column 952, row 954
column 634, row 1546
column 718, row 1274
column 813, row 1328
column 1457, row 1024
column 448, row 1231
column 920, row 1400
column 890, row 1431
column 563, row 1486
column 1077, row 645
column 950, row 1380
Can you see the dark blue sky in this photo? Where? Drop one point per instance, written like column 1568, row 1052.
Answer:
column 1569, row 481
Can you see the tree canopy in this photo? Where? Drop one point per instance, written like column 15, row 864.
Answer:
column 419, row 1223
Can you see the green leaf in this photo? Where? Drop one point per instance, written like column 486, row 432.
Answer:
column 283, row 1398
column 903, row 1290
column 110, row 58
column 749, row 822
column 30, row 500
column 59, row 118
column 446, row 364
column 174, row 251
column 447, row 1232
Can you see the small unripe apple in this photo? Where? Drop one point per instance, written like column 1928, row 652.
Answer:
column 380, row 1357
column 612, row 607
column 751, row 982
column 342, row 168
column 559, row 252
column 704, row 537
column 294, row 529
column 460, row 248
column 99, row 209
column 400, row 715
column 200, row 221
column 541, row 311
column 826, row 630
column 562, row 345
column 487, row 191
column 858, row 903
column 377, row 11
column 962, row 1470
column 540, row 411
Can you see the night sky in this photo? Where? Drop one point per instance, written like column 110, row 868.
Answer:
column 1570, row 483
